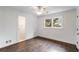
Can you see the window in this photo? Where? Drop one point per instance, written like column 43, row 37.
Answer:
column 55, row 22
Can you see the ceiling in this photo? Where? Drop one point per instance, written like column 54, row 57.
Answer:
column 51, row 9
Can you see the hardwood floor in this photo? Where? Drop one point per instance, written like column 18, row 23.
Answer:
column 40, row 44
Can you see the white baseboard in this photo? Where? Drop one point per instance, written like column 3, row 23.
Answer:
column 18, row 42
column 55, row 39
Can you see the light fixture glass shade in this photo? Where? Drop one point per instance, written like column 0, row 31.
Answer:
column 39, row 13
column 40, row 9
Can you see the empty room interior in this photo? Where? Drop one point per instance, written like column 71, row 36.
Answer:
column 39, row 28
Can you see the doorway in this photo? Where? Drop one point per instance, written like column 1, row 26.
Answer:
column 21, row 28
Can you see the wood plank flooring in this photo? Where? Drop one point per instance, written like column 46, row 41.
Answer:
column 40, row 44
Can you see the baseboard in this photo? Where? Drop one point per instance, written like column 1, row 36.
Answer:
column 18, row 42
column 56, row 40
column 60, row 42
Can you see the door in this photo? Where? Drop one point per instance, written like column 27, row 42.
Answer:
column 21, row 28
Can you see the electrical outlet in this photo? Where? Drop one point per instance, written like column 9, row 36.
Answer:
column 77, row 33
column 77, row 16
column 77, row 42
column 10, row 41
column 77, row 29
column 6, row 42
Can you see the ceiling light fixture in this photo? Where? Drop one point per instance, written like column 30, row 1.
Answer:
column 40, row 9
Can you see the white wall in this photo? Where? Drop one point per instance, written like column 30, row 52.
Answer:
column 66, row 34
column 8, row 25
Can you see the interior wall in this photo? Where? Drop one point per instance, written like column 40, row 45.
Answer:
column 66, row 34
column 8, row 25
